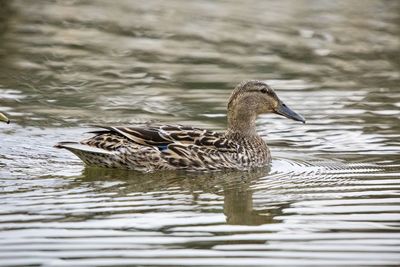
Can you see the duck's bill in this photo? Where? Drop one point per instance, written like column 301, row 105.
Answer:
column 284, row 110
column 4, row 118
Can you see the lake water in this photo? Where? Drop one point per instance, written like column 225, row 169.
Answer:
column 331, row 196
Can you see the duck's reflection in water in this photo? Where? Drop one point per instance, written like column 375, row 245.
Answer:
column 235, row 188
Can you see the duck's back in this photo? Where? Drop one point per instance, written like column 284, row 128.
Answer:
column 149, row 148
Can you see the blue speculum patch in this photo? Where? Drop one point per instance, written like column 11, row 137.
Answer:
column 162, row 147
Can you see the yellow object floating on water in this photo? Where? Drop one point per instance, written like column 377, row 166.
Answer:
column 4, row 118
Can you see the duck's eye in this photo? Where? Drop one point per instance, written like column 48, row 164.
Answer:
column 264, row 91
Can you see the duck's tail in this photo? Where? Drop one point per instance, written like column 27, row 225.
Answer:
column 76, row 146
column 92, row 156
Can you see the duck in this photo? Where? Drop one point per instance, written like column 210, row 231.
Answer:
column 153, row 147
column 3, row 118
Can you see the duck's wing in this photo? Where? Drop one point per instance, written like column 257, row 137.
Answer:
column 163, row 136
column 156, row 147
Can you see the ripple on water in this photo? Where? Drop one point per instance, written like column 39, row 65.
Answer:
column 291, row 214
column 331, row 196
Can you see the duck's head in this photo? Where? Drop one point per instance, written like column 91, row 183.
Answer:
column 251, row 98
column 4, row 118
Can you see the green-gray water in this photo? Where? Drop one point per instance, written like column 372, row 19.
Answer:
column 330, row 197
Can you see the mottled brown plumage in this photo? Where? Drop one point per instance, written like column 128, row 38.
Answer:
column 177, row 147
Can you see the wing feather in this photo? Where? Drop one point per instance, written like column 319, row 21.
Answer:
column 162, row 136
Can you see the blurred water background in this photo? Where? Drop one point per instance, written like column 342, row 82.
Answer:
column 331, row 195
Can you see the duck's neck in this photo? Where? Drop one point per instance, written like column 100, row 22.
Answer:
column 242, row 122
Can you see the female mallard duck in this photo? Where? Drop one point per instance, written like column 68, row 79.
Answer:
column 4, row 118
column 150, row 148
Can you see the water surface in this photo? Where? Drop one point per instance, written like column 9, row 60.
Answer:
column 331, row 195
